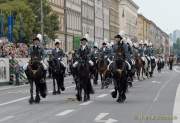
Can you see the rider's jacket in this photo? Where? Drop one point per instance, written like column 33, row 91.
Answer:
column 58, row 53
column 129, row 52
column 152, row 51
column 84, row 52
column 123, row 46
column 147, row 51
column 141, row 51
column 36, row 52
column 105, row 51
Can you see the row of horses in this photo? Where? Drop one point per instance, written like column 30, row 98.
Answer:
column 110, row 71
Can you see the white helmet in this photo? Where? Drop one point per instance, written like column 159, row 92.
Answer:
column 145, row 42
column 141, row 42
column 135, row 45
column 129, row 42
column 124, row 40
column 112, row 43
column 57, row 41
column 122, row 33
column 40, row 37
column 150, row 44
column 106, row 40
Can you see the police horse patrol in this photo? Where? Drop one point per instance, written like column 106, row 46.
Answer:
column 36, row 73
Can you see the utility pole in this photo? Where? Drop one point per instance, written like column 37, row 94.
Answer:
column 42, row 21
column 65, row 25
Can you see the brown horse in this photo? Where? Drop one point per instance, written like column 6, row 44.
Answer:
column 103, row 70
column 139, row 65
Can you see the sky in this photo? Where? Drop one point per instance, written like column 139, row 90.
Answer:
column 164, row 13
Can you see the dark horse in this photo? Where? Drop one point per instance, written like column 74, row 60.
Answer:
column 58, row 71
column 153, row 66
column 103, row 71
column 36, row 74
column 171, row 62
column 83, row 80
column 119, row 74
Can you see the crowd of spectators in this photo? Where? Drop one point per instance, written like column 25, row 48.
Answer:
column 18, row 50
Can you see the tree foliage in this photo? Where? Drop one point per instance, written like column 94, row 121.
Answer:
column 27, row 14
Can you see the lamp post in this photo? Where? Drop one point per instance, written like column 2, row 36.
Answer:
column 42, row 22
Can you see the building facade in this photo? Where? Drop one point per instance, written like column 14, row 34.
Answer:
column 106, row 19
column 58, row 7
column 128, row 17
column 99, row 23
column 114, row 18
column 73, row 22
column 88, row 19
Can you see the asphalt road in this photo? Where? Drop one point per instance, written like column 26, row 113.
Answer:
column 150, row 101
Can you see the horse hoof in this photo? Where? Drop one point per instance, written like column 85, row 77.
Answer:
column 37, row 99
column 114, row 94
column 54, row 93
column 78, row 98
column 119, row 100
column 31, row 100
column 63, row 88
column 58, row 92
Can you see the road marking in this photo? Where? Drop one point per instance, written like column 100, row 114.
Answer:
column 6, row 118
column 102, row 95
column 162, row 87
column 175, row 69
column 65, row 112
column 24, row 98
column 156, row 82
column 86, row 103
column 100, row 117
column 176, row 111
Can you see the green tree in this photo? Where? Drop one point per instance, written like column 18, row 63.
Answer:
column 51, row 21
column 21, row 11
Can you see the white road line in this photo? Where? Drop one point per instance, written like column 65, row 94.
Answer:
column 101, row 116
column 6, row 118
column 102, row 95
column 176, row 111
column 162, row 87
column 156, row 82
column 24, row 98
column 65, row 112
column 86, row 103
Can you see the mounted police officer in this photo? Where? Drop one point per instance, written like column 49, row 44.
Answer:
column 147, row 52
column 36, row 52
column 141, row 50
column 84, row 52
column 120, row 42
column 57, row 52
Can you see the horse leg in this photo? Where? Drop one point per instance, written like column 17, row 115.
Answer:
column 58, row 81
column 102, row 81
column 62, row 82
column 37, row 99
column 54, row 86
column 79, row 91
column 31, row 100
